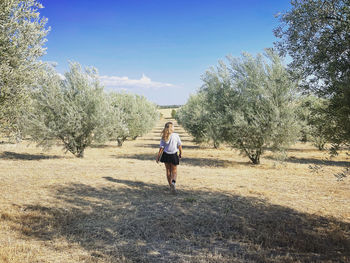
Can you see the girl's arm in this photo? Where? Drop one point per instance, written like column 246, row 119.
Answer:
column 180, row 151
column 159, row 154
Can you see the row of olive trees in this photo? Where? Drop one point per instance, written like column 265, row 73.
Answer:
column 76, row 111
column 136, row 113
column 249, row 104
column 35, row 101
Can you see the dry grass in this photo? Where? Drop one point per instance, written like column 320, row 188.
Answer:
column 114, row 206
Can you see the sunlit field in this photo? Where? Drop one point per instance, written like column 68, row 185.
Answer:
column 114, row 205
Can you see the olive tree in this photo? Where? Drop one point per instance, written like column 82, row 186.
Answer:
column 318, row 121
column 191, row 117
column 199, row 118
column 217, row 92
column 119, row 125
column 313, row 118
column 138, row 115
column 316, row 34
column 250, row 102
column 260, row 105
column 74, row 110
column 22, row 39
column 147, row 114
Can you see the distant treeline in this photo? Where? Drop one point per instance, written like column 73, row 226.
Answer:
column 168, row 106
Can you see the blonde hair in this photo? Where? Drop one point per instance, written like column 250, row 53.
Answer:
column 167, row 131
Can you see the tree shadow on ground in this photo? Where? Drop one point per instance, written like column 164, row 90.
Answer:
column 7, row 142
column 26, row 156
column 298, row 150
column 307, row 150
column 203, row 162
column 314, row 161
column 130, row 221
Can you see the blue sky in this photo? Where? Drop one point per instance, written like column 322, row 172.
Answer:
column 156, row 48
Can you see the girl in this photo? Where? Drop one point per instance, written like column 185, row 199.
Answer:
column 169, row 145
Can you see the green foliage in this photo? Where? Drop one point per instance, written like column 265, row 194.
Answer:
column 173, row 113
column 312, row 113
column 74, row 110
column 303, row 112
column 316, row 35
column 138, row 116
column 191, row 117
column 200, row 120
column 261, row 111
column 338, row 121
column 22, row 37
column 249, row 104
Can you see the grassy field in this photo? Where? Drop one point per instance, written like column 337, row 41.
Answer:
column 115, row 206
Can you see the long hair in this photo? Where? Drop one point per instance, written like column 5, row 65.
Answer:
column 167, row 131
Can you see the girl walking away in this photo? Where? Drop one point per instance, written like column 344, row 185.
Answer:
column 170, row 144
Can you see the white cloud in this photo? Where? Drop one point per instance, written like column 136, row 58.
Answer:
column 62, row 77
column 124, row 82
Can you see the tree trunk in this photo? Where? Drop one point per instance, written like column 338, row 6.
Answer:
column 120, row 142
column 80, row 153
column 18, row 136
column 321, row 147
column 255, row 159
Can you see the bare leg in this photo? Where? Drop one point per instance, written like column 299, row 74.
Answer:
column 168, row 172
column 173, row 172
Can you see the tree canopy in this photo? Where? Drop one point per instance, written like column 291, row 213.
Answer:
column 137, row 114
column 316, row 34
column 77, row 112
column 73, row 110
column 248, row 104
column 22, row 39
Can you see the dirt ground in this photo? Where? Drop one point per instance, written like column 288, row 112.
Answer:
column 114, row 205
